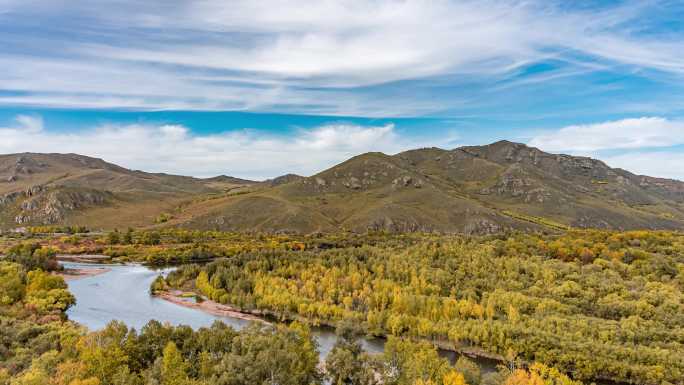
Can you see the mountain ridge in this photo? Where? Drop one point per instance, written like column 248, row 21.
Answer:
column 468, row 189
column 472, row 189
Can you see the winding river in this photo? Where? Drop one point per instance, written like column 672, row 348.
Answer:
column 123, row 293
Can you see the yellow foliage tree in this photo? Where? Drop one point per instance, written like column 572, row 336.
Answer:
column 174, row 368
column 523, row 377
column 453, row 377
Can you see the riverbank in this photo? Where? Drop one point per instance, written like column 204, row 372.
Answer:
column 72, row 274
column 177, row 297
column 187, row 299
column 84, row 258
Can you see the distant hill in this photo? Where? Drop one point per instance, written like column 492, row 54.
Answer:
column 229, row 180
column 287, row 178
column 475, row 189
column 40, row 189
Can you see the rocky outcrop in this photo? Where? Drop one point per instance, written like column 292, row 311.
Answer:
column 407, row 181
column 34, row 190
column 21, row 219
column 515, row 183
column 352, row 183
column 482, row 227
column 39, row 204
column 395, row 225
column 27, row 165
column 9, row 198
column 30, row 204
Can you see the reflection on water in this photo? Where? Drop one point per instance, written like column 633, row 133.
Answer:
column 124, row 294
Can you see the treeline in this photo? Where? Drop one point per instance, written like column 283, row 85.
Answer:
column 61, row 354
column 218, row 355
column 57, row 230
column 593, row 304
column 179, row 246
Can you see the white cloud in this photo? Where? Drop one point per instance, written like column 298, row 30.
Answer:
column 29, row 123
column 173, row 132
column 619, row 134
column 343, row 137
column 646, row 145
column 664, row 164
column 295, row 54
column 174, row 149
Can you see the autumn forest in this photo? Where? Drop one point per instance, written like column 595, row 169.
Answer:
column 580, row 306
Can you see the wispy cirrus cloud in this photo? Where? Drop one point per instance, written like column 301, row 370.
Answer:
column 174, row 148
column 329, row 57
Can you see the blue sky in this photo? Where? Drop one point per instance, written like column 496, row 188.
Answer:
column 257, row 89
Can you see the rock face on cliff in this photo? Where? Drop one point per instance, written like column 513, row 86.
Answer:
column 475, row 189
column 52, row 205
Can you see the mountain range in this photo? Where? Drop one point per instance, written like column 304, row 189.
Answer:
column 473, row 189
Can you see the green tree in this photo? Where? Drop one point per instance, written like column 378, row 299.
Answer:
column 174, row 368
column 33, row 256
column 47, row 292
column 113, row 237
column 470, row 370
column 128, row 237
column 263, row 355
column 347, row 364
column 407, row 362
column 103, row 352
column 159, row 284
column 150, row 238
column 12, row 287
